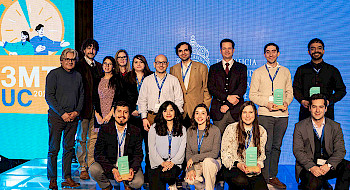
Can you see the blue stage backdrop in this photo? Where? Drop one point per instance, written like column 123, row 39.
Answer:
column 155, row 27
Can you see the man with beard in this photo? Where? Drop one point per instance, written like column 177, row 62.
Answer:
column 316, row 77
column 193, row 77
column 91, row 72
column 116, row 139
column 156, row 89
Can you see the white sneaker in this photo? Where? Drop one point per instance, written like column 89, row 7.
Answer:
column 172, row 187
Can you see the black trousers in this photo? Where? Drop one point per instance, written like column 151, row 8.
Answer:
column 56, row 127
column 342, row 173
column 158, row 179
column 236, row 179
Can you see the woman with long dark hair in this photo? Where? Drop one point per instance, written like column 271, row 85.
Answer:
column 166, row 143
column 123, row 62
column 236, row 139
column 202, row 150
column 134, row 78
column 111, row 88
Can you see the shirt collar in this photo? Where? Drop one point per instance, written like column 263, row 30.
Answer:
column 126, row 126
column 323, row 123
column 277, row 66
column 91, row 63
column 230, row 63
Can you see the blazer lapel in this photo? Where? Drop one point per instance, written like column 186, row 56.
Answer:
column 127, row 140
column 178, row 74
column 310, row 133
column 192, row 79
column 327, row 136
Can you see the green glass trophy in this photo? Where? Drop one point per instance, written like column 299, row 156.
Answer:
column 315, row 90
column 278, row 98
column 251, row 159
column 123, row 167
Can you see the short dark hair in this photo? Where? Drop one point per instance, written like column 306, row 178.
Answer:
column 271, row 44
column 315, row 40
column 89, row 42
column 122, row 104
column 227, row 40
column 180, row 44
column 39, row 27
column 318, row 97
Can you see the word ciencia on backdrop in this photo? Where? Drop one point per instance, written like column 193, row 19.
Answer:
column 23, row 83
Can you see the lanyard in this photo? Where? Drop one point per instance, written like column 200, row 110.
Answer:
column 316, row 70
column 250, row 135
column 170, row 138
column 160, row 87
column 183, row 77
column 272, row 79
column 139, row 83
column 121, row 141
column 200, row 142
column 320, row 138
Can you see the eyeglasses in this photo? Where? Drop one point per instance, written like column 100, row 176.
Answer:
column 161, row 62
column 108, row 64
column 69, row 60
column 122, row 57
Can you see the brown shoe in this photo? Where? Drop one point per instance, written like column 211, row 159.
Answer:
column 126, row 187
column 84, row 175
column 53, row 184
column 276, row 183
column 69, row 183
column 110, row 187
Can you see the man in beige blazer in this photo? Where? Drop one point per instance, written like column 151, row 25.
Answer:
column 193, row 77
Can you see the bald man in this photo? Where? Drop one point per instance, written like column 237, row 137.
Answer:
column 156, row 89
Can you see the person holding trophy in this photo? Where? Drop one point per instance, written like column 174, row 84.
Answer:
column 243, row 150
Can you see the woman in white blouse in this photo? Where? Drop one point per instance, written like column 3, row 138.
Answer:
column 236, row 139
column 166, row 143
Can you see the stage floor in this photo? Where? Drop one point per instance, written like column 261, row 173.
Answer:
column 32, row 176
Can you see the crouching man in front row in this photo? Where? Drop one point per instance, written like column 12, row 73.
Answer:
column 115, row 140
column 318, row 147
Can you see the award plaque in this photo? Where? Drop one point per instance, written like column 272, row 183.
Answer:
column 278, row 98
column 251, row 159
column 315, row 90
column 123, row 167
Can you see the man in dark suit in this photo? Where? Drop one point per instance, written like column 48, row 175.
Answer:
column 117, row 139
column 91, row 72
column 318, row 147
column 227, row 83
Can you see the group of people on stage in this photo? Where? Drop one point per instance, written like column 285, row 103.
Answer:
column 114, row 106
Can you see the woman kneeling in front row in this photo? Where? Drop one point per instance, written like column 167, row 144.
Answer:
column 202, row 151
column 166, row 143
column 237, row 138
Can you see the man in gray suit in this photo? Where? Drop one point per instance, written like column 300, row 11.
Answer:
column 318, row 147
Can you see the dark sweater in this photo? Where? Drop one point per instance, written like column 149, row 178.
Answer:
column 64, row 91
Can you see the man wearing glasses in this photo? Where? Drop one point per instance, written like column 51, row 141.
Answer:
column 156, row 89
column 91, row 72
column 64, row 94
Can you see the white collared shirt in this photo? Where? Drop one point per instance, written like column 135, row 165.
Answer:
column 88, row 61
column 319, row 129
column 120, row 136
column 269, row 66
column 187, row 77
column 230, row 63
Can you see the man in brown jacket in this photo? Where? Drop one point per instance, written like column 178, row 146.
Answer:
column 193, row 77
column 90, row 71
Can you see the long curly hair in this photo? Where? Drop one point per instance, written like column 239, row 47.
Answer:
column 146, row 70
column 241, row 133
column 161, row 124
column 194, row 125
column 115, row 80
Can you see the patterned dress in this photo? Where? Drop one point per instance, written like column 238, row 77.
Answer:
column 106, row 96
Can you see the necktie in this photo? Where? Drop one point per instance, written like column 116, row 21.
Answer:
column 226, row 69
